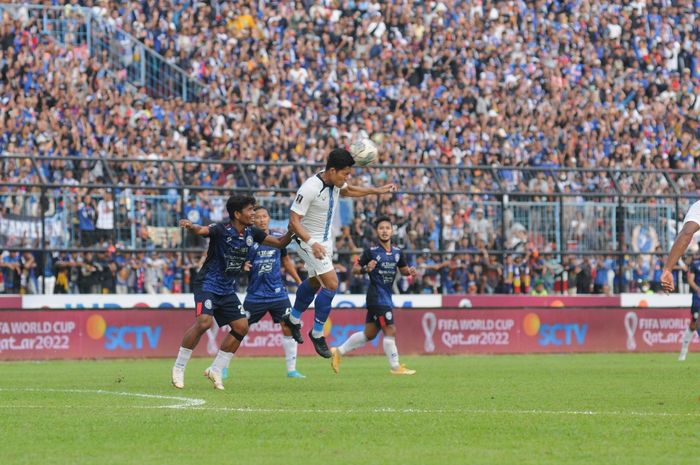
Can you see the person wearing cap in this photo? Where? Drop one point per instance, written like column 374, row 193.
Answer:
column 539, row 289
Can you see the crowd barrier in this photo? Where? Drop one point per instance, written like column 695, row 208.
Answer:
column 164, row 301
column 139, row 333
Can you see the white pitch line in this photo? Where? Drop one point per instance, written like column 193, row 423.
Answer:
column 448, row 411
column 188, row 403
column 183, row 402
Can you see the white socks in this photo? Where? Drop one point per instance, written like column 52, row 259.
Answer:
column 687, row 339
column 183, row 356
column 290, row 352
column 221, row 361
column 392, row 353
column 355, row 341
column 358, row 339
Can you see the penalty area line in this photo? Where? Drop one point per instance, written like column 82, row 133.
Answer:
column 181, row 402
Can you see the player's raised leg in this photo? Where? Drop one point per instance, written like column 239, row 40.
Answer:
column 322, row 310
column 306, row 293
column 355, row 341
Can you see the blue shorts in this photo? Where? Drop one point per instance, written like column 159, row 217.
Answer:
column 380, row 316
column 224, row 308
column 694, row 311
column 257, row 310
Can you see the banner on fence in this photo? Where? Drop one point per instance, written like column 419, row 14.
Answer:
column 528, row 301
column 29, row 227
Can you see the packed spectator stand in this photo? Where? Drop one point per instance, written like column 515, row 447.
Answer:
column 468, row 101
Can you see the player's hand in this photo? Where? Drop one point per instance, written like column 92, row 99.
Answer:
column 412, row 271
column 387, row 188
column 371, row 265
column 247, row 266
column 187, row 224
column 667, row 281
column 318, row 250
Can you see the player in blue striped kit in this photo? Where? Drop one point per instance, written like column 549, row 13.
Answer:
column 382, row 262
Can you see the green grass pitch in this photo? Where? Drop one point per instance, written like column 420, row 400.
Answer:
column 535, row 409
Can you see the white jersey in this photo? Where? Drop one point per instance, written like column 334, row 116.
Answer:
column 317, row 202
column 693, row 214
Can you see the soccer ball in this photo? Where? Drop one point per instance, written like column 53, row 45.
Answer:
column 364, row 151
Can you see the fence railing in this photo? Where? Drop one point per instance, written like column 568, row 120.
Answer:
column 616, row 226
column 128, row 59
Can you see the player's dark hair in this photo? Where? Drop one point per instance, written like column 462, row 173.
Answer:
column 261, row 207
column 339, row 159
column 236, row 203
column 381, row 220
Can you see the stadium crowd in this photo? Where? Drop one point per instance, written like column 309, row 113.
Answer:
column 448, row 85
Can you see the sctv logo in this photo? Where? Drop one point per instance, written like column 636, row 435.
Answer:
column 122, row 337
column 557, row 334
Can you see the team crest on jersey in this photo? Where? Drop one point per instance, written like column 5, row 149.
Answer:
column 249, row 241
column 229, row 239
column 207, row 304
column 389, row 315
column 379, row 257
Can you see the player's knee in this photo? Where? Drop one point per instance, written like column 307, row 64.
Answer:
column 239, row 329
column 240, row 326
column 236, row 335
column 390, row 330
column 204, row 322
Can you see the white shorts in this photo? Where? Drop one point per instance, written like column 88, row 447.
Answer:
column 313, row 265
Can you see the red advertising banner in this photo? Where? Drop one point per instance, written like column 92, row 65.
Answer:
column 36, row 335
column 10, row 302
column 529, row 301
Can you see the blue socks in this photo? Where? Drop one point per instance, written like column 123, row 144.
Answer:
column 305, row 295
column 323, row 309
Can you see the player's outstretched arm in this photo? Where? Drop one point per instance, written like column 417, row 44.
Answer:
column 278, row 242
column 195, row 228
column 362, row 191
column 679, row 247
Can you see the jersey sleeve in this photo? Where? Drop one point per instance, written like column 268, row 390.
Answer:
column 258, row 234
column 302, row 201
column 215, row 230
column 693, row 214
column 402, row 260
column 283, row 252
column 365, row 258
